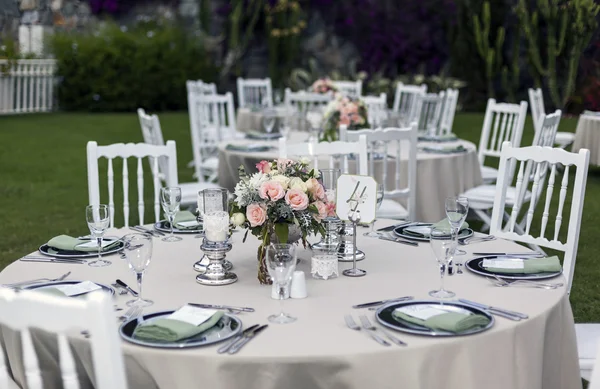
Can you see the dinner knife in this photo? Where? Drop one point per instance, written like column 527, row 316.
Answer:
column 394, row 226
column 223, row 349
column 147, row 231
column 251, row 335
column 214, row 306
column 51, row 260
column 490, row 308
column 124, row 285
column 399, row 240
column 524, row 254
column 375, row 303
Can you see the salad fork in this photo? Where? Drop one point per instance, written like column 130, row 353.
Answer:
column 18, row 284
column 367, row 325
column 353, row 326
column 503, row 282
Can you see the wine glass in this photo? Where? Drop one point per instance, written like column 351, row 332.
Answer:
column 373, row 233
column 441, row 244
column 457, row 209
column 97, row 221
column 281, row 263
column 170, row 198
column 269, row 118
column 314, row 117
column 138, row 251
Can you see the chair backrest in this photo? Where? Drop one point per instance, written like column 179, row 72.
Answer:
column 393, row 137
column 554, row 157
column 502, row 122
column 21, row 311
column 152, row 134
column 407, row 101
column 305, row 101
column 376, row 108
column 349, row 88
column 125, row 151
column 536, row 101
column 200, row 87
column 595, row 378
column 254, row 92
column 448, row 111
column 431, row 110
column 337, row 151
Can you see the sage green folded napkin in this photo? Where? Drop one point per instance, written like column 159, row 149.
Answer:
column 444, row 225
column 425, row 231
column 248, row 148
column 445, row 150
column 532, row 266
column 66, row 242
column 170, row 330
column 262, row 135
column 454, row 322
column 438, row 138
column 185, row 216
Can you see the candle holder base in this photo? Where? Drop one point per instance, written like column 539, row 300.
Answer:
column 225, row 279
column 354, row 272
column 202, row 264
column 347, row 256
column 215, row 273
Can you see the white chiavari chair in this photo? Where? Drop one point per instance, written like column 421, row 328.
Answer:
column 349, row 88
column 448, row 111
column 536, row 100
column 197, row 88
column 303, row 102
column 24, row 310
column 407, row 101
column 254, row 92
column 124, row 152
column 502, row 122
column 152, row 133
column 431, row 110
column 376, row 109
column 394, row 137
column 337, row 152
column 481, row 198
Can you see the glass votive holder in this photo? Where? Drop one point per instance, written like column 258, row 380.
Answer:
column 324, row 263
column 216, row 226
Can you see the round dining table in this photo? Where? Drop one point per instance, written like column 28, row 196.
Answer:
column 319, row 350
column 587, row 136
column 439, row 175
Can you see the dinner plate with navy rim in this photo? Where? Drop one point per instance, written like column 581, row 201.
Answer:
column 263, row 136
column 50, row 285
column 400, row 231
column 54, row 252
column 384, row 317
column 164, row 226
column 476, row 266
column 226, row 328
column 437, row 139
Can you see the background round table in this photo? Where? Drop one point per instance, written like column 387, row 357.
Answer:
column 438, row 175
column 318, row 350
column 587, row 136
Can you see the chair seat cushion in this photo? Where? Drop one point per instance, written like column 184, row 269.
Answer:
column 489, row 174
column 189, row 191
column 391, row 209
column 482, row 196
column 564, row 138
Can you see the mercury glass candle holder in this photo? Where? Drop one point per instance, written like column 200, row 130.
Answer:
column 215, row 247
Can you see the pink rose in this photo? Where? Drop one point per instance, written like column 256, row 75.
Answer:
column 271, row 190
column 322, row 208
column 283, row 163
column 263, row 166
column 330, row 208
column 256, row 214
column 296, row 199
column 316, row 189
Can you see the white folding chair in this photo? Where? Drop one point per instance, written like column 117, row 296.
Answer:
column 303, row 102
column 407, row 101
column 376, row 109
column 536, row 99
column 448, row 111
column 390, row 207
column 481, row 198
column 152, row 133
column 349, row 88
column 21, row 311
column 431, row 110
column 254, row 92
column 502, row 122
column 338, row 153
column 125, row 151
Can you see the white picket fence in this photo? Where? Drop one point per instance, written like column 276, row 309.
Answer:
column 27, row 85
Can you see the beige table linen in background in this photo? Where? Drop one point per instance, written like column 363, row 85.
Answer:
column 318, row 351
column 248, row 120
column 587, row 136
column 438, row 175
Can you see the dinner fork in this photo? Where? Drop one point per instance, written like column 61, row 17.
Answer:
column 353, row 326
column 476, row 239
column 131, row 313
column 503, row 282
column 17, row 284
column 366, row 323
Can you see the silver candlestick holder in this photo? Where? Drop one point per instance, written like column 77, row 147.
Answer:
column 347, row 250
column 215, row 273
column 354, row 217
column 201, row 265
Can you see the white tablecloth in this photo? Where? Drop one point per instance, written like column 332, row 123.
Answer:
column 587, row 136
column 438, row 175
column 318, row 351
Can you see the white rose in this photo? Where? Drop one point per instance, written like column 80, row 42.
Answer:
column 297, row 183
column 274, row 172
column 283, row 180
column 305, row 160
column 316, row 173
column 237, row 219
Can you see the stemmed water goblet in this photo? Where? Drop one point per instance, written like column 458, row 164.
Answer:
column 138, row 252
column 170, row 198
column 441, row 244
column 269, row 118
column 98, row 220
column 281, row 263
column 373, row 233
column 314, row 117
column 457, row 209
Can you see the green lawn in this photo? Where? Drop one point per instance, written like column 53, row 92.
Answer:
column 43, row 183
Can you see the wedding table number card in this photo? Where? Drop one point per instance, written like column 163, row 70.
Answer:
column 356, row 191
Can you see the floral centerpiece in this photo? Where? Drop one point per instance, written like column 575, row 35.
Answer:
column 343, row 110
column 323, row 86
column 282, row 197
